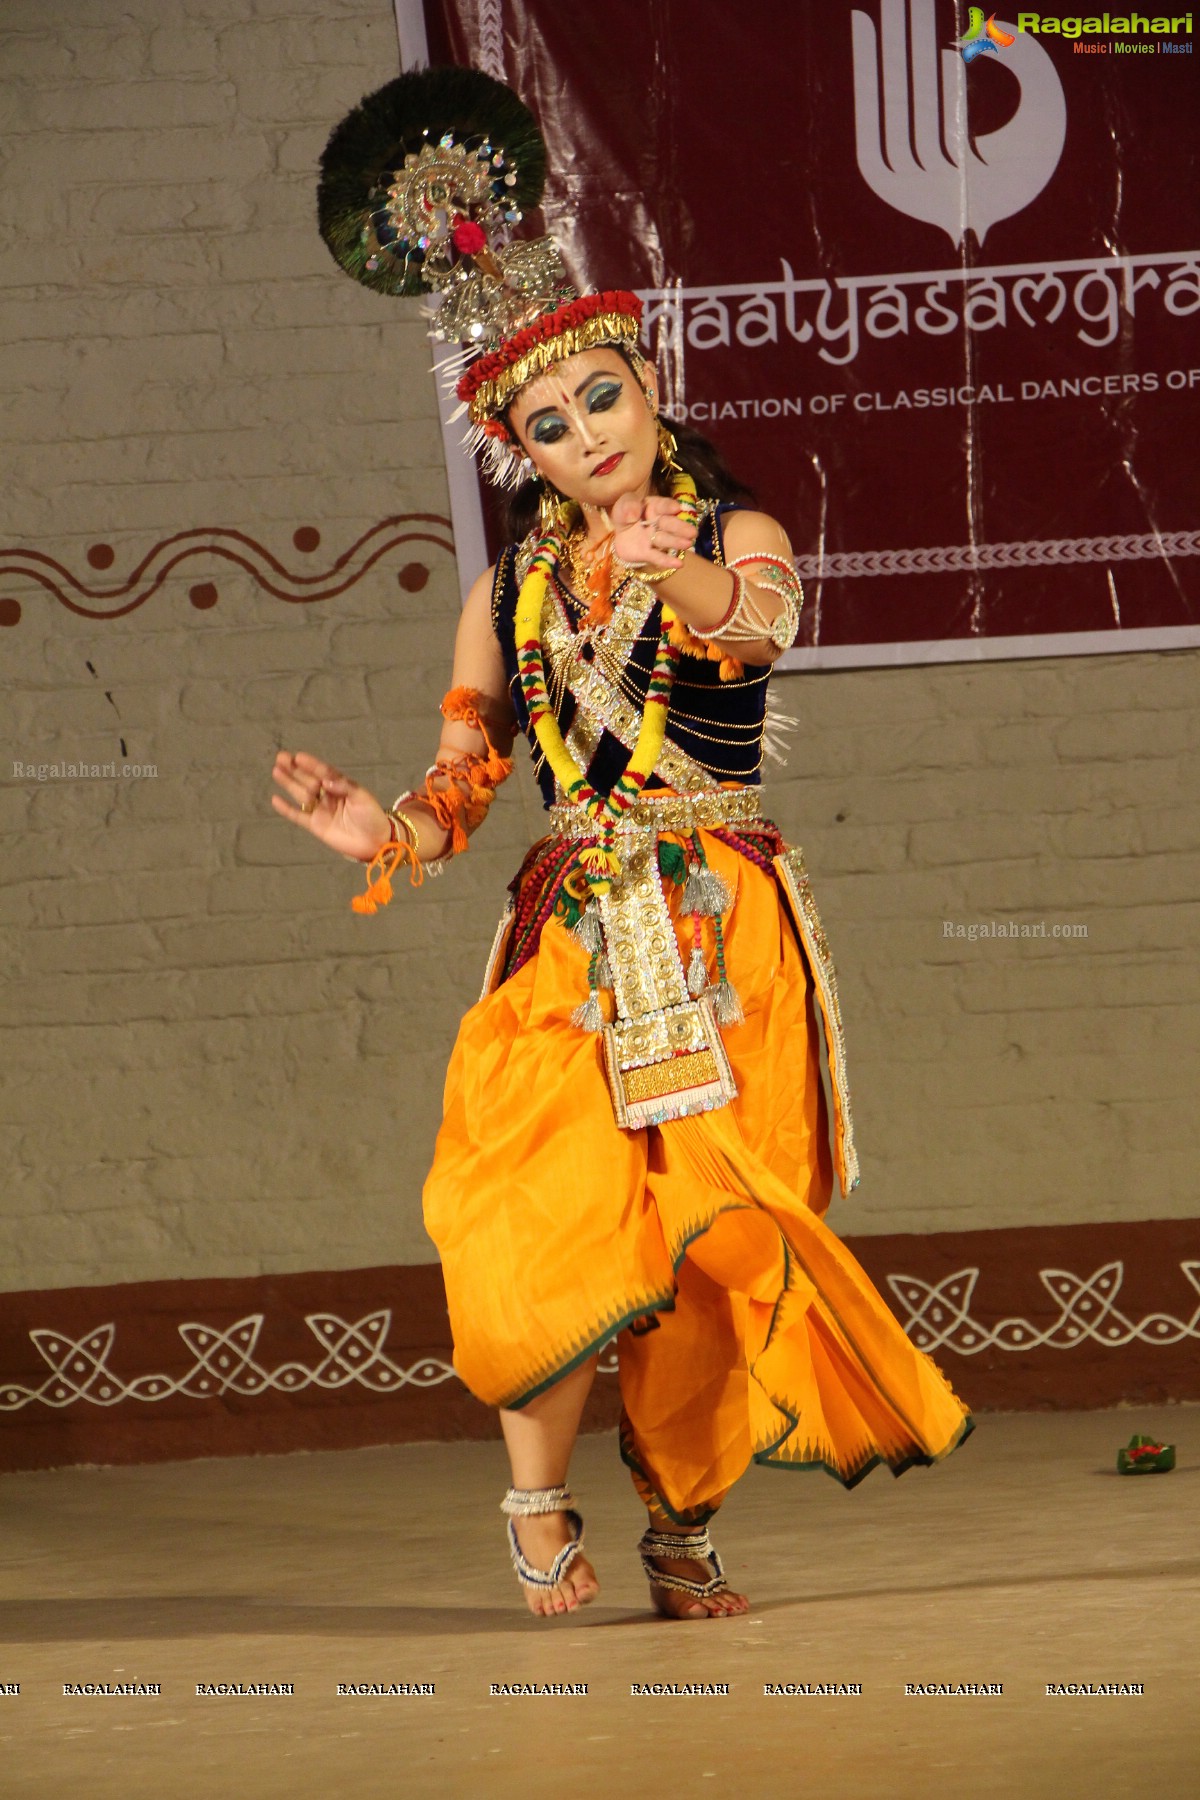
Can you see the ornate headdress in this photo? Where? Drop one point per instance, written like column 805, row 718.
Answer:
column 421, row 186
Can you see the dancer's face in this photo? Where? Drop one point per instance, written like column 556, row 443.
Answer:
column 587, row 428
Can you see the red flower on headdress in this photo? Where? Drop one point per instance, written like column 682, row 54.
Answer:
column 496, row 428
column 468, row 238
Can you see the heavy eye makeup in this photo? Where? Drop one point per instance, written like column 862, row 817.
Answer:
column 602, row 394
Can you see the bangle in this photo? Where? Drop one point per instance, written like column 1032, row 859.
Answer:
column 430, row 865
column 739, row 594
column 396, row 817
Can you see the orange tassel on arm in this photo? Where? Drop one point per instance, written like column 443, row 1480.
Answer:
column 463, row 704
column 386, row 860
column 452, row 809
column 731, row 669
column 683, row 639
column 447, row 806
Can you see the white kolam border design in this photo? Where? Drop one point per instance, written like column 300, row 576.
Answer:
column 224, row 1361
column 939, row 1315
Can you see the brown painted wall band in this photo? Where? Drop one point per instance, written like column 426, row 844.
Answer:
column 1043, row 1317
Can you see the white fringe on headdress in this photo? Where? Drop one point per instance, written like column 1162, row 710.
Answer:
column 453, row 364
column 503, row 463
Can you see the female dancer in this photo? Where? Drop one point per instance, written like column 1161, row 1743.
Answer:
column 635, row 1140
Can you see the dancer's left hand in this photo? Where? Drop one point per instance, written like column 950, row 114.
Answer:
column 653, row 533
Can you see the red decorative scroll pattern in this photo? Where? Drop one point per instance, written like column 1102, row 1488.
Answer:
column 112, row 600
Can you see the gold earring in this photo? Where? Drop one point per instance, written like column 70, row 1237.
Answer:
column 554, row 511
column 668, row 449
column 545, row 510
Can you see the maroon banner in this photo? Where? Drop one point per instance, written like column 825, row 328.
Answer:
column 930, row 282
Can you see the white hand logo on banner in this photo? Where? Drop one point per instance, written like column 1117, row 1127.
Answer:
column 927, row 167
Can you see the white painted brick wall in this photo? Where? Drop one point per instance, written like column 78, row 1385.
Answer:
column 1010, row 1081
column 212, row 1066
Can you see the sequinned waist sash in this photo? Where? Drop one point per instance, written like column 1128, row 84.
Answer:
column 670, row 812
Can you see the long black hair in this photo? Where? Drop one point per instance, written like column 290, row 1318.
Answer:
column 696, row 456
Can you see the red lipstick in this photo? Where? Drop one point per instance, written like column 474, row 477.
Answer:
column 609, row 464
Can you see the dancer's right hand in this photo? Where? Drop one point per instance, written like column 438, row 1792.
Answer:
column 346, row 816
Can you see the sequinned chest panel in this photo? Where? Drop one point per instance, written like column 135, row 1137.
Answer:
column 598, row 681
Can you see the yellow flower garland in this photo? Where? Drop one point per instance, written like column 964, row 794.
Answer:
column 599, row 862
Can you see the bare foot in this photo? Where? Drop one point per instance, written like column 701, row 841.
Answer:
column 677, row 1605
column 541, row 1537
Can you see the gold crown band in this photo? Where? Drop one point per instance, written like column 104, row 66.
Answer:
column 493, row 395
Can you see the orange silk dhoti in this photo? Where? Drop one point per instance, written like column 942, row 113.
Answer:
column 558, row 1230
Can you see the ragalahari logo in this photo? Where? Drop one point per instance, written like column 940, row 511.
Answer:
column 912, row 132
column 980, row 36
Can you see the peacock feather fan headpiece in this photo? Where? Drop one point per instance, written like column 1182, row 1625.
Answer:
column 421, row 186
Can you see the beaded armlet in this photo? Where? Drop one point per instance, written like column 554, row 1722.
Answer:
column 743, row 620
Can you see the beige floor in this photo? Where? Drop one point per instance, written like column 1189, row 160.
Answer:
column 1024, row 1560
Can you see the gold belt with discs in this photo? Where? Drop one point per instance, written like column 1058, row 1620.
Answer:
column 670, row 812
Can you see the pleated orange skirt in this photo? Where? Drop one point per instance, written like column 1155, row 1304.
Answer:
column 756, row 1335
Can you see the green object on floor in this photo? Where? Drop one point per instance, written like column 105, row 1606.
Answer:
column 1143, row 1456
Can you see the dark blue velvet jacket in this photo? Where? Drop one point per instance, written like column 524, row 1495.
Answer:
column 698, row 689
